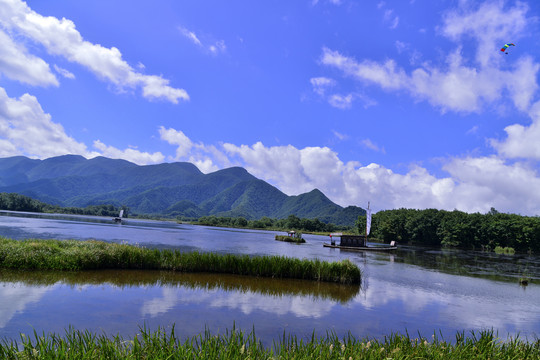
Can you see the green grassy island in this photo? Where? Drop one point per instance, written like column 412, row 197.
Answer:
column 74, row 255
column 235, row 344
column 293, row 238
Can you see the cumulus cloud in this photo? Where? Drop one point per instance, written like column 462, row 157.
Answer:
column 491, row 180
column 178, row 138
column 299, row 170
column 60, row 37
column 207, row 158
column 17, row 64
column 129, row 154
column 25, row 129
column 522, row 141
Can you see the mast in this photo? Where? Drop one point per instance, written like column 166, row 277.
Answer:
column 368, row 223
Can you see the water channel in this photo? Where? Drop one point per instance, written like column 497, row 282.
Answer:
column 414, row 289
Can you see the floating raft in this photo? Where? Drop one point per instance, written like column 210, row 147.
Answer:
column 362, row 248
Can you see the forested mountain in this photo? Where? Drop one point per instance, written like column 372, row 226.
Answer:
column 171, row 189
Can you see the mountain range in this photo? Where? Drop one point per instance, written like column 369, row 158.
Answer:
column 177, row 189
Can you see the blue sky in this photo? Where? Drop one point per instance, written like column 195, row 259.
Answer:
column 405, row 103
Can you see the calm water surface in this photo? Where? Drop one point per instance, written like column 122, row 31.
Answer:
column 414, row 289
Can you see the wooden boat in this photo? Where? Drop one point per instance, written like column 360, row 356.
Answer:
column 358, row 242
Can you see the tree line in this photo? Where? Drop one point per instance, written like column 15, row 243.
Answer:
column 292, row 222
column 17, row 202
column 455, row 229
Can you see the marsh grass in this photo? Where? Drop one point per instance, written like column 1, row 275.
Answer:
column 505, row 250
column 236, row 344
column 77, row 255
column 291, row 239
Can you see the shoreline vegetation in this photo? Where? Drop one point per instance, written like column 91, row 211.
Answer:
column 17, row 202
column 75, row 255
column 236, row 344
column 493, row 231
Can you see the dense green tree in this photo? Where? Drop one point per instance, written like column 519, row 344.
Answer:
column 456, row 229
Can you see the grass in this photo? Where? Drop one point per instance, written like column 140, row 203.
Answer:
column 236, row 344
column 505, row 250
column 74, row 255
column 291, row 239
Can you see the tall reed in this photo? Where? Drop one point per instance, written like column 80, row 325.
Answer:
column 235, row 344
column 75, row 255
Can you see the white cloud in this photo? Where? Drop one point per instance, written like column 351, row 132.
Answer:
column 218, row 47
column 522, row 141
column 26, row 129
column 60, row 37
column 334, row 2
column 203, row 156
column 341, row 101
column 490, row 180
column 65, row 73
column 401, row 46
column 296, row 171
column 16, row 297
column 372, row 146
column 321, row 84
column 214, row 47
column 17, row 64
column 178, row 138
column 340, row 136
column 190, row 35
column 391, row 18
column 132, row 155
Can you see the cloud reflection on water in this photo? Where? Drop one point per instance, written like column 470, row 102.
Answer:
column 246, row 302
column 16, row 297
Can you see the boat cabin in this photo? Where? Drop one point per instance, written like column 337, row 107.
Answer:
column 348, row 240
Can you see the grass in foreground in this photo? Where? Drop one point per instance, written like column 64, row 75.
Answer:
column 235, row 344
column 86, row 255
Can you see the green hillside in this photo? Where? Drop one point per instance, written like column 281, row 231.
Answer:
column 170, row 189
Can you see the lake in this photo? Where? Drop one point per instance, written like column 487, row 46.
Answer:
column 414, row 289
